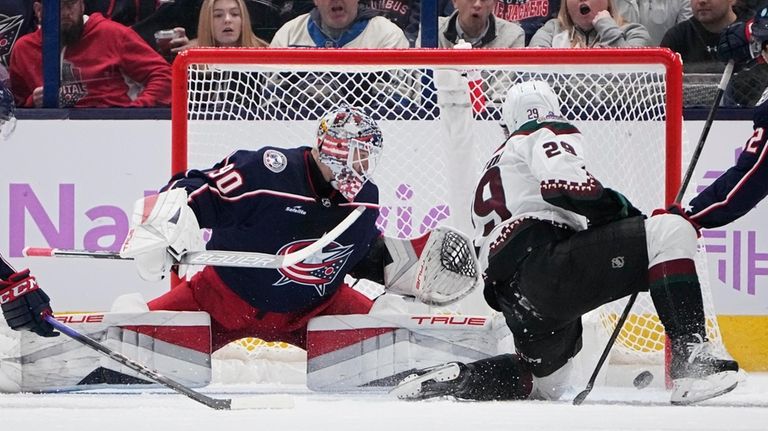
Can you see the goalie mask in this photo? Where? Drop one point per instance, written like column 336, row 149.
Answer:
column 349, row 143
column 7, row 112
column 532, row 100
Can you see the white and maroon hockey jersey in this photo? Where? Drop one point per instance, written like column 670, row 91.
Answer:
column 539, row 173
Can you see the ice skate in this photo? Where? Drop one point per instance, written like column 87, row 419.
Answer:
column 440, row 380
column 698, row 374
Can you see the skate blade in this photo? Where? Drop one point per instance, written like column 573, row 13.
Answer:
column 693, row 390
column 410, row 387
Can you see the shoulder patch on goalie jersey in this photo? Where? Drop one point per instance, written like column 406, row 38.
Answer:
column 275, row 161
column 556, row 127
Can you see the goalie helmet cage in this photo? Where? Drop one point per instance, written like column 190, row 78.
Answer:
column 439, row 111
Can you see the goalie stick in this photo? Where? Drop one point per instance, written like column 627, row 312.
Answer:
column 686, row 180
column 240, row 259
column 260, row 402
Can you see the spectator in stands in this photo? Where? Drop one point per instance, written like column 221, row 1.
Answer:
column 473, row 22
column 696, row 39
column 17, row 18
column 103, row 64
column 530, row 14
column 223, row 23
column 657, row 16
column 404, row 13
column 126, row 12
column 265, row 18
column 589, row 24
column 337, row 24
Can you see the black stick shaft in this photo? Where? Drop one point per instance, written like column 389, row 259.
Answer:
column 705, row 131
column 623, row 318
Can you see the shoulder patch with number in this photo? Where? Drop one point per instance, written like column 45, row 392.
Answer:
column 275, row 161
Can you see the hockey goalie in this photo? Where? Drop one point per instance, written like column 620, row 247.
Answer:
column 271, row 201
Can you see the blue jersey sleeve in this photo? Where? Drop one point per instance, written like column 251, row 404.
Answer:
column 742, row 186
column 224, row 195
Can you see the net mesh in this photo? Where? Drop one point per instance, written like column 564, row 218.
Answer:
column 440, row 124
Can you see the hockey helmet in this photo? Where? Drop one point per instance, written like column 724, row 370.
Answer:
column 526, row 101
column 349, row 142
column 7, row 112
column 759, row 30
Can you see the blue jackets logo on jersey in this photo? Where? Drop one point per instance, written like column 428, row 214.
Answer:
column 317, row 270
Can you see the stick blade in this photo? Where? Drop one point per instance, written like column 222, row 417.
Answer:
column 581, row 397
column 277, row 401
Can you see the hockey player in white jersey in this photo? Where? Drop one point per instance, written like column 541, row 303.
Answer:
column 555, row 244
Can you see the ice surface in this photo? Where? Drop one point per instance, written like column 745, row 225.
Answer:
column 605, row 409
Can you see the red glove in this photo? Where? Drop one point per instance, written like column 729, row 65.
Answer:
column 25, row 305
column 676, row 209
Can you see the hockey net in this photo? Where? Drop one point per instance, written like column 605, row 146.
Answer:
column 439, row 112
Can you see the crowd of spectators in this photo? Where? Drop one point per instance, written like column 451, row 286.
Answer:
column 134, row 71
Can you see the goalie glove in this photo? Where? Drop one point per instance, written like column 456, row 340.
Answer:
column 164, row 228
column 438, row 268
column 25, row 305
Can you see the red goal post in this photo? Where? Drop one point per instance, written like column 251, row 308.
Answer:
column 439, row 57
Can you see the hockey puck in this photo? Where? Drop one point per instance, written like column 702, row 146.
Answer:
column 643, row 379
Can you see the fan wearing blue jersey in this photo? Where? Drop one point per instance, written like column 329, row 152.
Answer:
column 23, row 303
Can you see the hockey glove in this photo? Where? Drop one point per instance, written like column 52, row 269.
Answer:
column 163, row 228
column 25, row 305
column 735, row 43
column 438, row 268
column 676, row 209
column 618, row 207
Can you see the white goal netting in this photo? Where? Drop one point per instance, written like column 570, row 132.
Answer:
column 439, row 112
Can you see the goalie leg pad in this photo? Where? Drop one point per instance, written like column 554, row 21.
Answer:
column 374, row 352
column 177, row 345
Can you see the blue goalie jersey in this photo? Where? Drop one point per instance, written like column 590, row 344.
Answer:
column 276, row 201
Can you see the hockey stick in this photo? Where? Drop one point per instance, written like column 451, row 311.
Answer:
column 624, row 314
column 261, row 402
column 705, row 131
column 241, row 259
column 686, row 180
